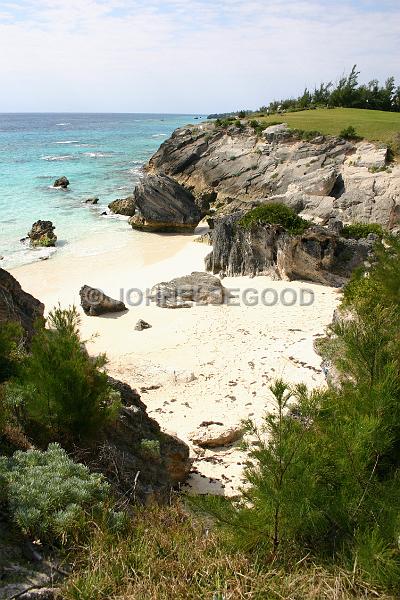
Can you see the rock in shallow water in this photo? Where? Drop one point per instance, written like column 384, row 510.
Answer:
column 183, row 292
column 94, row 302
column 42, row 234
column 123, row 206
column 61, row 182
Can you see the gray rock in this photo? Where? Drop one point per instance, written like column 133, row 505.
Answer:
column 183, row 292
column 123, row 206
column 92, row 201
column 163, row 205
column 17, row 305
column 325, row 178
column 94, row 302
column 42, row 234
column 318, row 254
column 61, row 182
column 119, row 451
column 141, row 325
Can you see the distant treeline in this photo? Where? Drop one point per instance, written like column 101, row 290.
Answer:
column 346, row 93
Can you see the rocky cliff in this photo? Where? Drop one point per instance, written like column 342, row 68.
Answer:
column 230, row 169
column 17, row 305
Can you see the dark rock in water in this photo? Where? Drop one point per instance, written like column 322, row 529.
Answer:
column 17, row 305
column 42, row 234
column 141, row 325
column 135, row 455
column 318, row 254
column 61, row 182
column 123, row 206
column 183, row 292
column 92, row 201
column 104, row 214
column 164, row 205
column 94, row 302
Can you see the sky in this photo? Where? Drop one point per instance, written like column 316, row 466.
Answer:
column 186, row 56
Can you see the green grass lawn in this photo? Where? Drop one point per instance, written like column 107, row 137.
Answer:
column 373, row 125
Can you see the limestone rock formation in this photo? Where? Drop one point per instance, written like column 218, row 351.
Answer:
column 123, row 206
column 164, row 205
column 42, row 234
column 319, row 254
column 94, row 302
column 61, row 182
column 212, row 434
column 233, row 169
column 122, row 453
column 183, row 292
column 142, row 325
column 17, row 305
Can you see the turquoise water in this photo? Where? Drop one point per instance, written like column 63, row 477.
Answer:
column 102, row 156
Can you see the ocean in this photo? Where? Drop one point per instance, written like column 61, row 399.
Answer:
column 101, row 154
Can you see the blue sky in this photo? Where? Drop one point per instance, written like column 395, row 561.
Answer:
column 186, row 55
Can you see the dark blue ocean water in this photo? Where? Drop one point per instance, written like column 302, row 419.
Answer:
column 101, row 154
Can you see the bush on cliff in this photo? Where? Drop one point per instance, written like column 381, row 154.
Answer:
column 10, row 354
column 358, row 231
column 66, row 392
column 274, row 214
column 47, row 494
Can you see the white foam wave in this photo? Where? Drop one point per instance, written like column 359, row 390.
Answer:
column 157, row 135
column 59, row 158
column 62, row 124
column 97, row 154
column 68, row 142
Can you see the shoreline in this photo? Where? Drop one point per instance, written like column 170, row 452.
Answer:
column 206, row 363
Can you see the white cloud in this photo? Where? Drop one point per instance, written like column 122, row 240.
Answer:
column 177, row 55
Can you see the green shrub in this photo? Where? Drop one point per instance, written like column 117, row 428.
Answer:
column 275, row 214
column 357, row 231
column 10, row 349
column 150, row 449
column 47, row 494
column 306, row 135
column 67, row 393
column 349, row 133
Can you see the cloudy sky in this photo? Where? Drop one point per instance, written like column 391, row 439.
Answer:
column 186, row 55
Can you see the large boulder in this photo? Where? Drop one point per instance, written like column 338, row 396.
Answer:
column 212, row 434
column 42, row 234
column 184, row 292
column 123, row 206
column 319, row 254
column 163, row 205
column 135, row 455
column 17, row 305
column 95, row 302
column 61, row 182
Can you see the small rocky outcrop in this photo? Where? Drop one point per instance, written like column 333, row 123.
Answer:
column 95, row 302
column 135, row 455
column 142, row 325
column 212, row 434
column 319, row 254
column 42, row 234
column 61, row 182
column 17, row 305
column 123, row 206
column 92, row 201
column 184, row 292
column 164, row 205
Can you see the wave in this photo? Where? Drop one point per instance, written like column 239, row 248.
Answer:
column 157, row 135
column 63, row 124
column 59, row 158
column 68, row 142
column 98, row 154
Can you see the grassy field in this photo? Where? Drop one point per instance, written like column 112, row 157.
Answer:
column 373, row 125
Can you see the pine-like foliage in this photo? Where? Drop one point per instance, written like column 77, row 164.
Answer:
column 67, row 394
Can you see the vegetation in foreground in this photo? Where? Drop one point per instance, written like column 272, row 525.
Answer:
column 319, row 516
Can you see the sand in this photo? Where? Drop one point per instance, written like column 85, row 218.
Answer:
column 206, row 363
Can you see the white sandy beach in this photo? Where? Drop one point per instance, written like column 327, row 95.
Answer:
column 206, row 363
